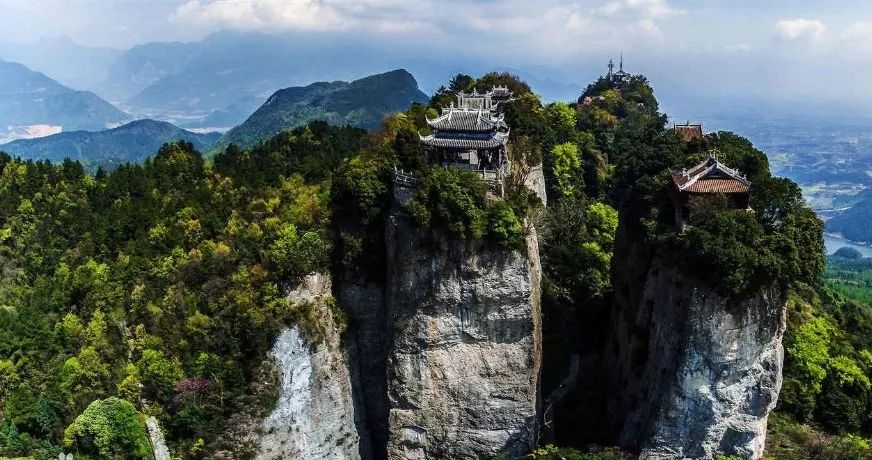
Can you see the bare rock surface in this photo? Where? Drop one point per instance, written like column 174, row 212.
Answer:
column 695, row 374
column 465, row 354
column 156, row 437
column 315, row 414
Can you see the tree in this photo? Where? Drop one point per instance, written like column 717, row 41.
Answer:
column 158, row 374
column 461, row 82
column 109, row 428
column 84, row 377
column 566, row 163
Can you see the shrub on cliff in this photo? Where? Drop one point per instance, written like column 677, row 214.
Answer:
column 551, row 452
column 451, row 200
column 503, row 225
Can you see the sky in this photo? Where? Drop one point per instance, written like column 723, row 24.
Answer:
column 772, row 49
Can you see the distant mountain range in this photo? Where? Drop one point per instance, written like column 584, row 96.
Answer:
column 363, row 103
column 73, row 65
column 30, row 98
column 217, row 82
column 131, row 142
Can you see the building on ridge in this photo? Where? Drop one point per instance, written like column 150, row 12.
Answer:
column 620, row 77
column 472, row 135
column 711, row 177
column 689, row 132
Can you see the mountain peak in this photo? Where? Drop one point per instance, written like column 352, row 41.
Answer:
column 363, row 103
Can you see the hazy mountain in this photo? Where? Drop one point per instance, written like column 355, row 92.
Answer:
column 29, row 98
column 214, row 73
column 362, row 103
column 213, row 82
column 131, row 142
column 144, row 65
column 74, row 65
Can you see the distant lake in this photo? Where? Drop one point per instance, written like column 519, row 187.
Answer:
column 833, row 244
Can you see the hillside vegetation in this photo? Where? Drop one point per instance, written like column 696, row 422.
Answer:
column 132, row 142
column 158, row 288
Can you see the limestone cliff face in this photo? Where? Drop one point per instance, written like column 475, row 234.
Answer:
column 465, row 345
column 315, row 417
column 693, row 374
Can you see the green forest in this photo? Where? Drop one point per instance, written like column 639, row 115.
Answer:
column 157, row 288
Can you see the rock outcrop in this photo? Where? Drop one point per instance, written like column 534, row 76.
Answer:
column 465, row 345
column 693, row 373
column 316, row 416
column 155, row 436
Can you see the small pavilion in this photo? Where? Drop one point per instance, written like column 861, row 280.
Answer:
column 711, row 177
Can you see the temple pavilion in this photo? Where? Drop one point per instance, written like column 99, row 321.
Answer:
column 472, row 134
column 620, row 77
column 711, row 177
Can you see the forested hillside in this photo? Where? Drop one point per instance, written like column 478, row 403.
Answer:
column 158, row 288
column 362, row 103
column 854, row 223
column 132, row 142
column 160, row 284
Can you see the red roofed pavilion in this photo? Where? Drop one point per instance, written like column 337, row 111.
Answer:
column 711, row 177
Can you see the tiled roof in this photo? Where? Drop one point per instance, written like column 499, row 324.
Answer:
column 467, row 120
column 710, row 176
column 689, row 132
column 466, row 141
column 717, row 186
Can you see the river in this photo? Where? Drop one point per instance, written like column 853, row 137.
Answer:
column 833, row 244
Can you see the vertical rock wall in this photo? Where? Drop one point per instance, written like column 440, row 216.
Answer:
column 368, row 343
column 465, row 346
column 694, row 374
column 316, row 416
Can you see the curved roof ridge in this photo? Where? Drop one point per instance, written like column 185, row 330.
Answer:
column 703, row 170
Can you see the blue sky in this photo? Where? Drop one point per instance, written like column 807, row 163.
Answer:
column 581, row 25
column 762, row 48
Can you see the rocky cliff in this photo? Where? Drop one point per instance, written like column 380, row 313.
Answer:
column 692, row 373
column 316, row 416
column 441, row 360
column 465, row 353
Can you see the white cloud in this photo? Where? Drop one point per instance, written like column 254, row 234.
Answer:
column 644, row 8
column 267, row 14
column 799, row 29
column 646, row 29
column 529, row 28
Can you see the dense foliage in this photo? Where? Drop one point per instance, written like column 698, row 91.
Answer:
column 159, row 283
column 828, row 364
column 109, row 428
column 157, row 288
